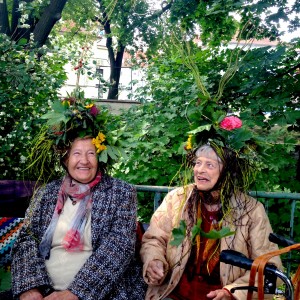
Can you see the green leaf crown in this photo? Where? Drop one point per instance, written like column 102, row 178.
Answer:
column 67, row 120
column 227, row 132
column 237, row 147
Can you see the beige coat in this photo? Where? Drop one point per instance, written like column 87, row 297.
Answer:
column 250, row 238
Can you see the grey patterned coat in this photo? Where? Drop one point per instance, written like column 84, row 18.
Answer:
column 112, row 271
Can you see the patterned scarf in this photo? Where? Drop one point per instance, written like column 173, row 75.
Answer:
column 73, row 240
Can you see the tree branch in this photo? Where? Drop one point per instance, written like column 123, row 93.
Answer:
column 160, row 12
column 50, row 16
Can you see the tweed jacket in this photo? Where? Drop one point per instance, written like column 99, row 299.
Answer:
column 248, row 219
column 112, row 272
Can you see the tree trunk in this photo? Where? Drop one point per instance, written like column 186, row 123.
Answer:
column 4, row 24
column 50, row 16
column 114, row 61
column 115, row 72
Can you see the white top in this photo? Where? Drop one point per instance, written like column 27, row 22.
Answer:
column 62, row 265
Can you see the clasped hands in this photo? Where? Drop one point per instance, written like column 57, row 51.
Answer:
column 34, row 294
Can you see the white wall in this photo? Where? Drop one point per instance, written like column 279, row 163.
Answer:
column 89, row 86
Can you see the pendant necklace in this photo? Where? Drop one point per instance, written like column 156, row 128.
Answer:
column 73, row 201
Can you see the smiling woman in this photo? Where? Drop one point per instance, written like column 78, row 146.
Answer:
column 81, row 161
column 67, row 120
column 79, row 233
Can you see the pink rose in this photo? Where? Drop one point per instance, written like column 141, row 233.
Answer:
column 230, row 123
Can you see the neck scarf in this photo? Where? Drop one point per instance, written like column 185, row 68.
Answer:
column 73, row 240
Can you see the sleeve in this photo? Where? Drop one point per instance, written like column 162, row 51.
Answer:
column 28, row 268
column 258, row 244
column 103, row 272
column 156, row 238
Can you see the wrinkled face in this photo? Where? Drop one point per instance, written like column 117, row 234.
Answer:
column 82, row 162
column 207, row 170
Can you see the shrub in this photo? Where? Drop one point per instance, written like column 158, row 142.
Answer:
column 29, row 79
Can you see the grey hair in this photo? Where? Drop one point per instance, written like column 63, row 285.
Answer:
column 207, row 150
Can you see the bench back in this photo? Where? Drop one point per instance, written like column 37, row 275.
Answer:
column 9, row 230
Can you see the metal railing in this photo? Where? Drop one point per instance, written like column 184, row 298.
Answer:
column 159, row 192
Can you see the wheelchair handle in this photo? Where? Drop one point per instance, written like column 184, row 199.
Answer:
column 280, row 240
column 238, row 259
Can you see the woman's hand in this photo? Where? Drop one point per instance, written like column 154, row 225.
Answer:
column 155, row 271
column 33, row 294
column 62, row 295
column 220, row 295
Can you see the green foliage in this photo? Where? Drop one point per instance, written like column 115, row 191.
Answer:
column 179, row 234
column 217, row 25
column 265, row 97
column 29, row 79
column 75, row 17
column 156, row 129
column 124, row 18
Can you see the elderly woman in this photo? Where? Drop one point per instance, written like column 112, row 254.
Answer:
column 192, row 270
column 78, row 241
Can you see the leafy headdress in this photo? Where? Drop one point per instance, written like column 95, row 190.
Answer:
column 67, row 120
column 235, row 145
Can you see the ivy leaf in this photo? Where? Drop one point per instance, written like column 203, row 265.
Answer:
column 217, row 234
column 178, row 234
